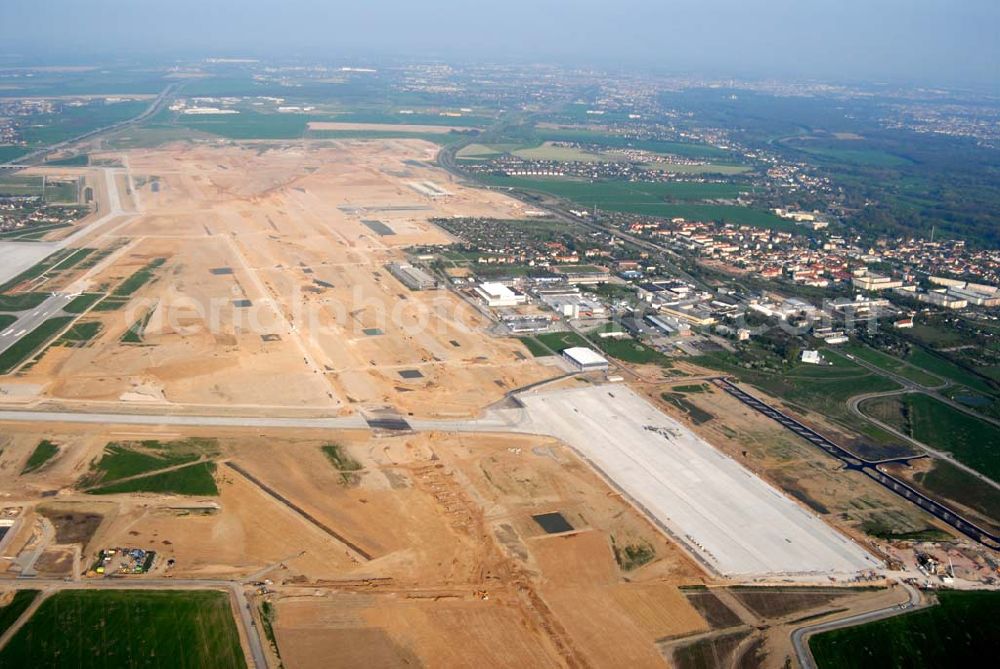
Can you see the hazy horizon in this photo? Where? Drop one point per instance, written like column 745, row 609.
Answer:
column 929, row 42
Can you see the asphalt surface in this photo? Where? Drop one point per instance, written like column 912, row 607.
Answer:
column 27, row 321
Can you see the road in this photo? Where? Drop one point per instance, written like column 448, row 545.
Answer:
column 854, row 405
column 33, row 157
column 51, row 586
column 800, row 636
column 912, row 386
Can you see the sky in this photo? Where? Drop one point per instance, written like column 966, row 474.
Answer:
column 938, row 42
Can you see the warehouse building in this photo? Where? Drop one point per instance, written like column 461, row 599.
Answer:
column 586, row 359
column 412, row 277
column 498, row 295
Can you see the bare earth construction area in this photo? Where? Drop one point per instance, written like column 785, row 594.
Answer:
column 247, row 392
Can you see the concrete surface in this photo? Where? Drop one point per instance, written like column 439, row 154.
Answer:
column 734, row 521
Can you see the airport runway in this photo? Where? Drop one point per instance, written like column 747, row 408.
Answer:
column 16, row 257
column 27, row 321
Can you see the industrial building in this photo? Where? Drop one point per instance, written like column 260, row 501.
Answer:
column 869, row 281
column 976, row 297
column 498, row 295
column 570, row 303
column 429, row 189
column 412, row 277
column 586, row 359
column 581, row 274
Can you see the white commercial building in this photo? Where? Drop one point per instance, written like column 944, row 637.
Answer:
column 498, row 295
column 586, row 359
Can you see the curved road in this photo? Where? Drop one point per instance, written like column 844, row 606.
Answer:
column 800, row 636
column 854, row 405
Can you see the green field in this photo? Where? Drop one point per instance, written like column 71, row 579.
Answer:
column 559, row 341
column 134, row 335
column 79, row 334
column 44, row 451
column 687, row 150
column 894, row 365
column 627, row 349
column 668, row 200
column 30, row 343
column 820, row 388
column 6, row 321
column 22, row 301
column 82, row 303
column 250, row 124
column 63, row 190
column 70, row 122
column 948, row 481
column 340, row 458
column 442, row 138
column 861, row 156
column 961, row 631
column 197, row 480
column 128, row 628
column 534, row 347
column 940, row 366
column 564, row 153
column 972, row 441
column 139, row 279
column 120, row 296
column 621, row 195
column 127, row 459
column 19, row 604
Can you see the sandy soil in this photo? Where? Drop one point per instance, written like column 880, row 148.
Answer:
column 270, row 273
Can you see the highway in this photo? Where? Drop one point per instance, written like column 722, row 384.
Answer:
column 867, row 467
column 33, row 157
column 800, row 636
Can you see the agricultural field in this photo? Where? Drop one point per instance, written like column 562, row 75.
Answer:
column 672, row 199
column 63, row 190
column 959, row 631
column 971, row 440
column 13, row 604
column 151, row 628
